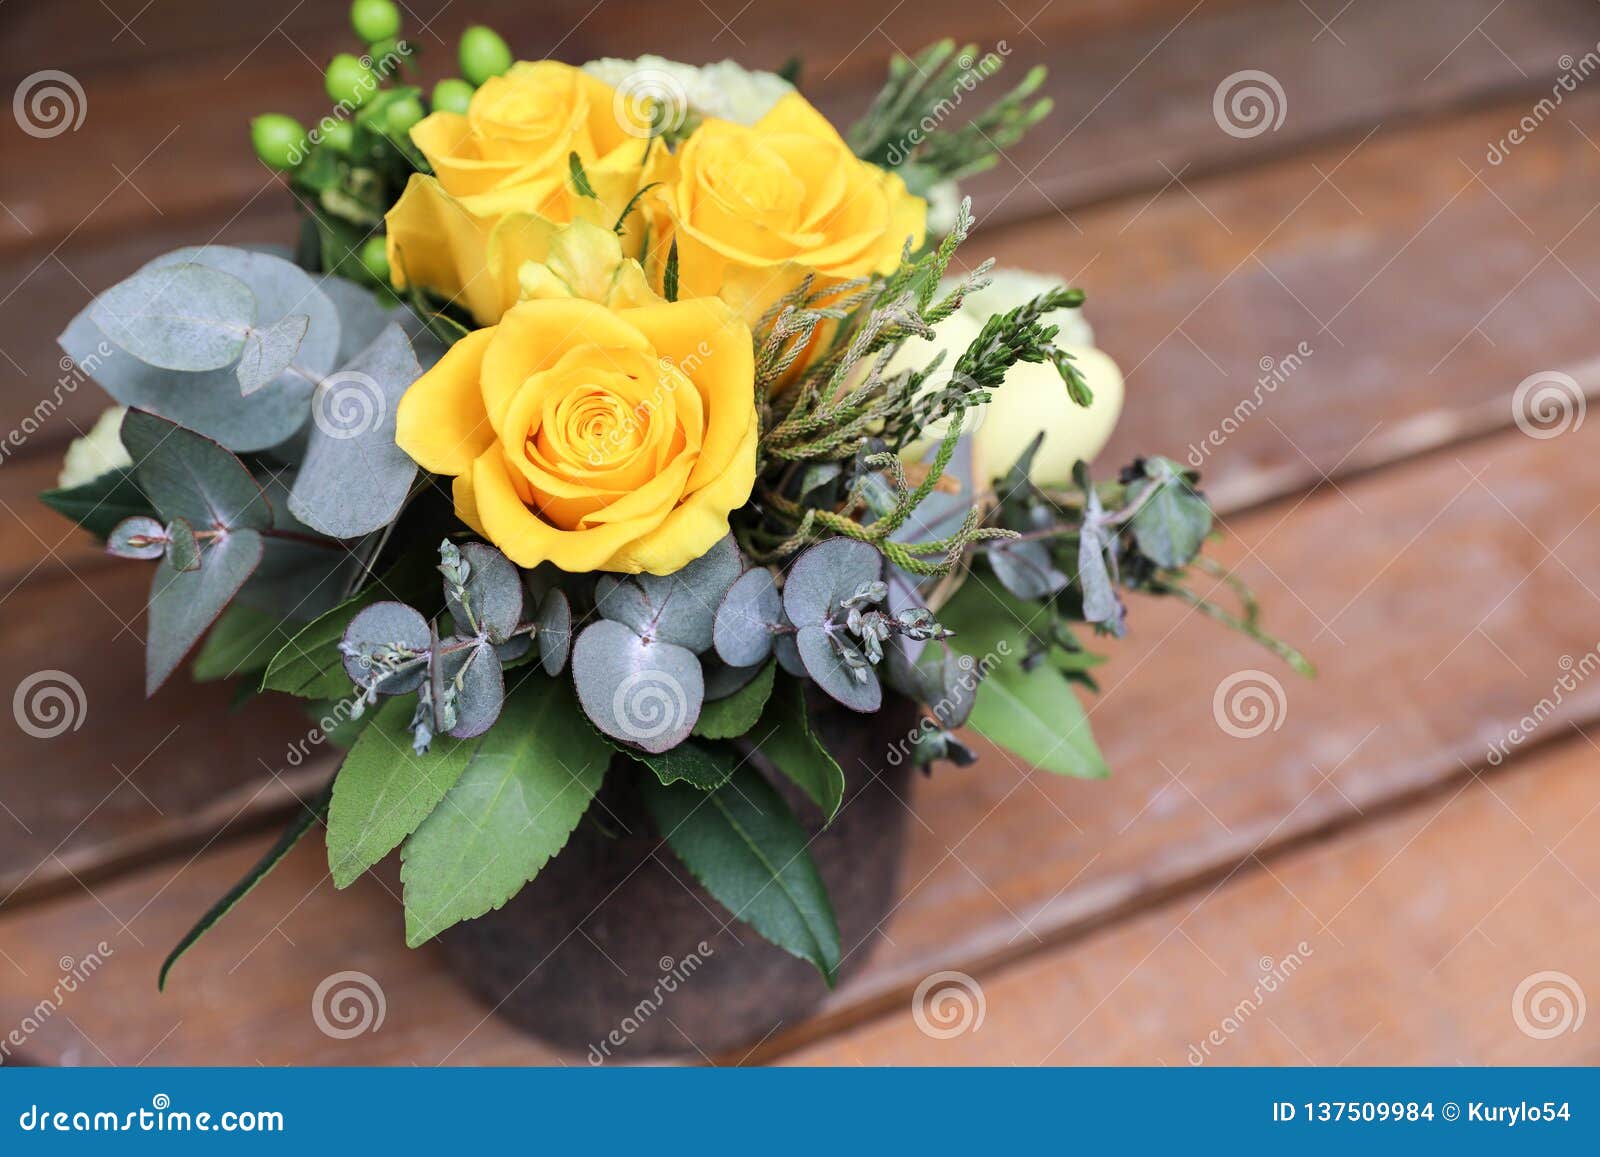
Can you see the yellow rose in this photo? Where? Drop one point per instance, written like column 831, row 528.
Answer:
column 503, row 179
column 755, row 209
column 593, row 438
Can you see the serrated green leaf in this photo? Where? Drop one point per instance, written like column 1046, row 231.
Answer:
column 785, row 737
column 384, row 789
column 580, row 179
column 703, row 766
column 310, row 664
column 527, row 786
column 242, row 642
column 1034, row 714
column 733, row 715
column 311, row 812
column 744, row 845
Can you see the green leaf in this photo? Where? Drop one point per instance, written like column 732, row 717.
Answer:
column 178, row 317
column 384, row 789
column 702, row 766
column 1034, row 714
column 99, row 504
column 743, row 843
column 669, row 277
column 528, row 784
column 580, row 179
column 243, row 642
column 1173, row 523
column 310, row 664
column 785, row 737
column 732, row 716
column 311, row 813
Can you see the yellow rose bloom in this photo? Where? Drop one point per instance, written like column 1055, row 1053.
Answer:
column 503, row 179
column 593, row 438
column 754, row 209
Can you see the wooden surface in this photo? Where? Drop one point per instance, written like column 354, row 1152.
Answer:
column 1436, row 561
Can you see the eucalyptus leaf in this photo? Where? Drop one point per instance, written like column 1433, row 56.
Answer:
column 722, row 680
column 1100, row 603
column 178, row 317
column 183, row 604
column 183, row 549
column 189, row 476
column 468, row 687
column 525, row 788
column 354, row 478
column 268, row 352
column 647, row 694
column 1172, row 523
column 732, row 715
column 684, row 604
column 491, row 600
column 783, row 646
column 553, row 632
column 384, row 789
column 745, row 846
column 382, row 646
column 855, row 686
column 138, row 537
column 824, row 575
column 1026, row 569
column 747, row 618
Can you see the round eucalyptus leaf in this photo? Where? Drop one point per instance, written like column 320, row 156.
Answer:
column 783, row 646
column 513, row 649
column 684, row 603
column 722, row 680
column 138, row 537
column 857, row 687
column 183, row 548
column 554, row 632
column 493, row 593
column 745, row 620
column 181, row 316
column 378, row 644
column 468, row 687
column 269, row 351
column 645, row 693
column 959, row 676
column 825, row 574
column 623, row 601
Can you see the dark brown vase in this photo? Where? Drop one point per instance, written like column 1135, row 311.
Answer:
column 616, row 953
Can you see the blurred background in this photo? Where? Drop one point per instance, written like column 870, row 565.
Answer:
column 1346, row 253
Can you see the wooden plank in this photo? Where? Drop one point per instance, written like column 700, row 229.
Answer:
column 1003, row 862
column 1133, row 89
column 1402, row 943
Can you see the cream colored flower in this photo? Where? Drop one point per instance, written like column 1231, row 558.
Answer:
column 98, row 452
column 725, row 90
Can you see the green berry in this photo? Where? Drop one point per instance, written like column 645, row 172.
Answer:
column 483, row 54
column 340, row 136
column 375, row 20
column 452, row 95
column 279, row 140
column 402, row 113
column 349, row 82
column 375, row 258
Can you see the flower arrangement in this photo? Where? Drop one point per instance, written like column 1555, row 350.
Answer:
column 609, row 421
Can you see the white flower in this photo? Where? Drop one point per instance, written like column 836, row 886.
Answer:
column 943, row 201
column 1033, row 397
column 724, row 90
column 97, row 452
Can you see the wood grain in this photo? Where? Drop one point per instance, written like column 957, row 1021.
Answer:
column 1402, row 943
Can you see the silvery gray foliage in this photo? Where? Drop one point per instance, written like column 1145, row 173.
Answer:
column 386, row 649
column 468, row 686
column 355, row 478
column 750, row 615
column 137, row 537
column 140, row 341
column 192, row 479
column 482, row 589
column 553, row 632
column 638, row 670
